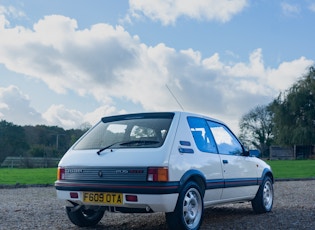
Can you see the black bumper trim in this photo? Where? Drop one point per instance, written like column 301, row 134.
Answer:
column 127, row 187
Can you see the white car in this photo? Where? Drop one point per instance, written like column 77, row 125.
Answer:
column 173, row 162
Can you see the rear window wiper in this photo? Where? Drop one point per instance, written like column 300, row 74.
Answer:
column 140, row 142
column 106, row 147
column 133, row 142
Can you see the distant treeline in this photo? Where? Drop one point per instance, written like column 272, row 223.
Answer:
column 35, row 141
column 288, row 121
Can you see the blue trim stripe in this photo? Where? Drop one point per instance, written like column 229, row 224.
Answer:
column 124, row 187
column 212, row 184
column 150, row 188
column 229, row 183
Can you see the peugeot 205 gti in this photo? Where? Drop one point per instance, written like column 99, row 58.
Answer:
column 173, row 162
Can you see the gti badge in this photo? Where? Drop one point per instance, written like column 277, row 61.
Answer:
column 100, row 173
column 122, row 171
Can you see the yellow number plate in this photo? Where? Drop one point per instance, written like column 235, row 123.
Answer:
column 103, row 198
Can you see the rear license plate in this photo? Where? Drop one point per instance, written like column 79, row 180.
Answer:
column 103, row 198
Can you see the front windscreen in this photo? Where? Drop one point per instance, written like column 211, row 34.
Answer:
column 128, row 131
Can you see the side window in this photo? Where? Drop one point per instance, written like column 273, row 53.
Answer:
column 202, row 135
column 226, row 141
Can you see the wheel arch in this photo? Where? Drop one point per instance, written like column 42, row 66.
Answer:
column 196, row 176
column 267, row 173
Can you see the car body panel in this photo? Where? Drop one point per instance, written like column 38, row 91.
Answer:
column 240, row 176
column 208, row 164
column 223, row 178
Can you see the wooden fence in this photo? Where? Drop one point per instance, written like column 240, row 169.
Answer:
column 30, row 162
column 296, row 152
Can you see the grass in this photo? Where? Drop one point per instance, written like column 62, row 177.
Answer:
column 293, row 168
column 283, row 169
column 11, row 176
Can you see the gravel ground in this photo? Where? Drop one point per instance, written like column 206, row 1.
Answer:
column 38, row 208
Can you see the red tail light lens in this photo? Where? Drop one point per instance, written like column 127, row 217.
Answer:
column 132, row 198
column 60, row 173
column 74, row 195
column 157, row 174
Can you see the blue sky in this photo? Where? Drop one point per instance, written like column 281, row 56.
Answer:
column 69, row 62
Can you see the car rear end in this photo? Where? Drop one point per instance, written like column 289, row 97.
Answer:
column 121, row 164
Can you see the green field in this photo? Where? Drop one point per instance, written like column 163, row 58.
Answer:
column 293, row 168
column 28, row 176
column 281, row 169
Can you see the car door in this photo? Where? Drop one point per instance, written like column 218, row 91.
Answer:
column 239, row 171
column 208, row 158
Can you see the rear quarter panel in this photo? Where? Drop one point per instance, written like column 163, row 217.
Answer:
column 207, row 163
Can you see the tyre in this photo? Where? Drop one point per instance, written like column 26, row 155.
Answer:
column 188, row 213
column 263, row 200
column 84, row 217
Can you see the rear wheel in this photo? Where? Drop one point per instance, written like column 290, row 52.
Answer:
column 264, row 198
column 84, row 217
column 188, row 213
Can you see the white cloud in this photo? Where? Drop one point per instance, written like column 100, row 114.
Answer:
column 15, row 107
column 61, row 116
column 11, row 12
column 168, row 11
column 3, row 21
column 65, row 58
column 287, row 73
column 255, row 66
column 312, row 7
column 102, row 111
column 108, row 63
column 290, row 9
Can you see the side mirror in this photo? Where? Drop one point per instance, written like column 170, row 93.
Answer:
column 254, row 153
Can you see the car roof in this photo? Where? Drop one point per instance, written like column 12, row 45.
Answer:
column 191, row 114
column 158, row 114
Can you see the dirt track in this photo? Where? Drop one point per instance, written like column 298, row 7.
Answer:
column 38, row 208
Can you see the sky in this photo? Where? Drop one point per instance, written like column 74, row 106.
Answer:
column 68, row 63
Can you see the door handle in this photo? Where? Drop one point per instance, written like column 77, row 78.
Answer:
column 225, row 161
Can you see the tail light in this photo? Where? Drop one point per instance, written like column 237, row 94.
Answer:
column 132, row 198
column 60, row 173
column 157, row 174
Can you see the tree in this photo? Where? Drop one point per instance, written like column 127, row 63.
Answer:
column 35, row 141
column 12, row 140
column 256, row 129
column 294, row 113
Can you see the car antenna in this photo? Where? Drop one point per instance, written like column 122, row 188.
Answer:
column 174, row 97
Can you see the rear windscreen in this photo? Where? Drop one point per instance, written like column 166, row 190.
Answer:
column 128, row 131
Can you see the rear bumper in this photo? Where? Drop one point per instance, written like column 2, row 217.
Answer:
column 154, row 202
column 158, row 196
